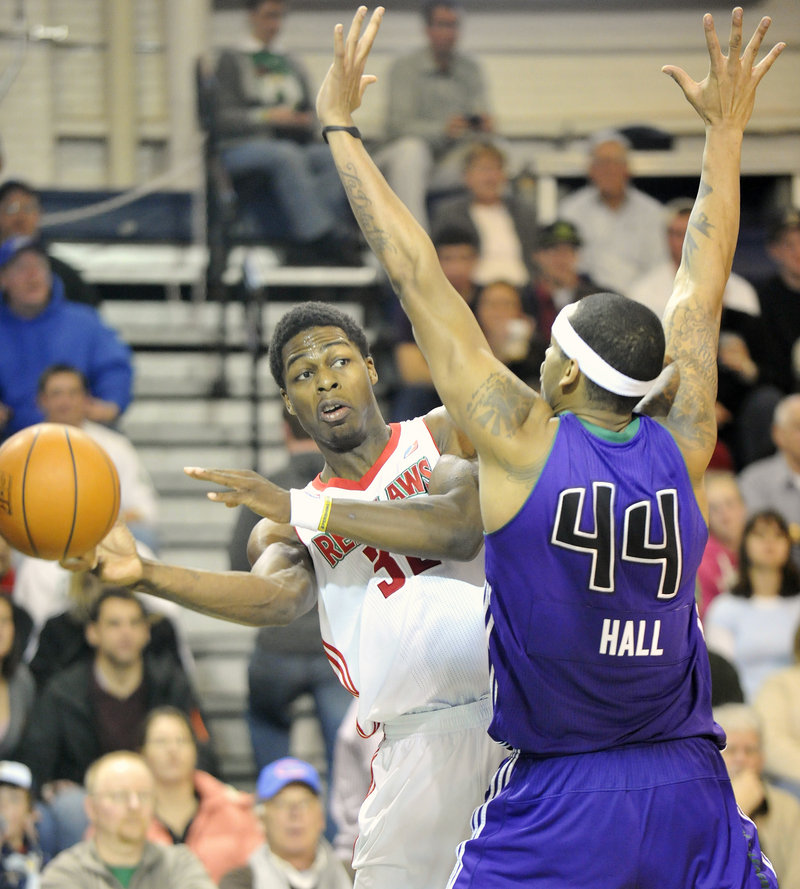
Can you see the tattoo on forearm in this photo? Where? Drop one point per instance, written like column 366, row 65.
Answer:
column 379, row 239
column 703, row 224
column 499, row 406
column 694, row 348
column 699, row 224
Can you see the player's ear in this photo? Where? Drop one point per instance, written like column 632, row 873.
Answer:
column 570, row 374
column 286, row 403
column 371, row 369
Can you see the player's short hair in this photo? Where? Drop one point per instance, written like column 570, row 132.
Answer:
column 55, row 369
column 114, row 592
column 627, row 335
column 303, row 317
column 429, row 6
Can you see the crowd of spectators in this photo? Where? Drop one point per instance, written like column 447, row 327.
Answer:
column 99, row 716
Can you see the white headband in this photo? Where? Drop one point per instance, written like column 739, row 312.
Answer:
column 597, row 369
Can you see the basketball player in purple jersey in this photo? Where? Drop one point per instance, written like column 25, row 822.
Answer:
column 595, row 521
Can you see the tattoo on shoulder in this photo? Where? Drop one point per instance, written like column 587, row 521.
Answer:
column 499, row 406
column 379, row 239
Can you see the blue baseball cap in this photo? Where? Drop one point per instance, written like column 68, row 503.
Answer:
column 12, row 247
column 279, row 774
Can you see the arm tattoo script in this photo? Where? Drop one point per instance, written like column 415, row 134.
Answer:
column 377, row 238
column 499, row 406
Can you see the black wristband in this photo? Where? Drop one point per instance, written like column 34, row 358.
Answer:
column 352, row 130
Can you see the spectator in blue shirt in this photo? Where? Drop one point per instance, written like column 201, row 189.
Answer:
column 39, row 327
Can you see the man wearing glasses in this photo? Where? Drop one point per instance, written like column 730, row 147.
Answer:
column 119, row 804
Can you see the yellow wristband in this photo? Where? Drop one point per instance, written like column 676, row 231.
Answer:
column 326, row 514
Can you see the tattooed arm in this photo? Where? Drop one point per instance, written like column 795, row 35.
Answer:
column 724, row 101
column 483, row 397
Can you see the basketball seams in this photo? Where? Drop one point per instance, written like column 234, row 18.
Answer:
column 28, row 456
column 117, row 493
column 74, row 494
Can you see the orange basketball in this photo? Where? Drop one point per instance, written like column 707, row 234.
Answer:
column 59, row 491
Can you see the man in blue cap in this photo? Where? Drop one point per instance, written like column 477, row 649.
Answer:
column 289, row 804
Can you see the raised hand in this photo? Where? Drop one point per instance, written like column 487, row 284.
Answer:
column 727, row 94
column 343, row 87
column 246, row 488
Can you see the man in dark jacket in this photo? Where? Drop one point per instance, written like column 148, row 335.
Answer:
column 96, row 707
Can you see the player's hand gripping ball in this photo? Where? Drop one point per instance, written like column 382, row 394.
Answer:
column 59, row 491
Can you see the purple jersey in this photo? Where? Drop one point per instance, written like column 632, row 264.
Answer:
column 594, row 639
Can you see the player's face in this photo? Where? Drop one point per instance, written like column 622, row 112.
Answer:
column 329, row 387
column 266, row 20
column 121, row 804
column 293, row 821
column 26, row 282
column 550, row 373
column 19, row 215
column 64, row 400
column 120, row 632
column 6, row 628
column 169, row 749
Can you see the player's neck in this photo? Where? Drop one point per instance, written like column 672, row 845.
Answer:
column 605, row 419
column 355, row 463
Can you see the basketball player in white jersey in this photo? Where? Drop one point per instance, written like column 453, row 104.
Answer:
column 405, row 633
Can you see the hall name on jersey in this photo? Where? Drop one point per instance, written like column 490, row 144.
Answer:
column 630, row 638
column 411, row 481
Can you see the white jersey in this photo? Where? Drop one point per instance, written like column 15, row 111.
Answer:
column 403, row 634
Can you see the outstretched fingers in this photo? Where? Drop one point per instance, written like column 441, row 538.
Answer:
column 370, row 33
column 712, row 40
column 735, row 39
column 769, row 59
column 754, row 45
column 355, row 32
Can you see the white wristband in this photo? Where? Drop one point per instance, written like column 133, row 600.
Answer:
column 308, row 511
